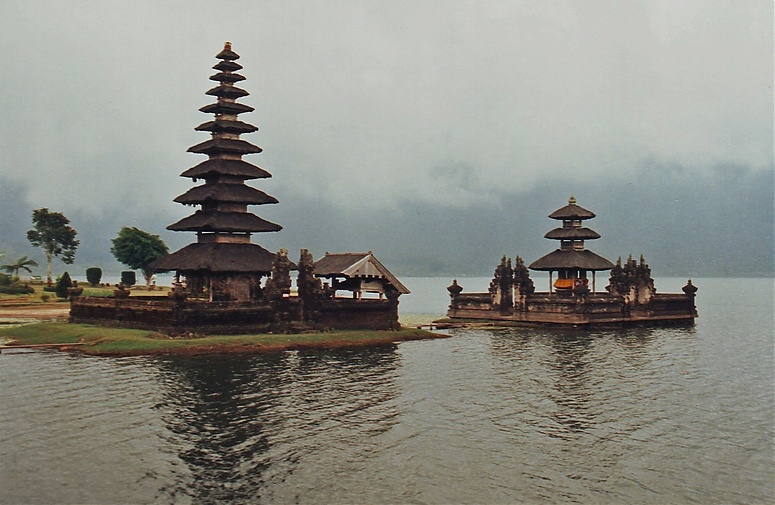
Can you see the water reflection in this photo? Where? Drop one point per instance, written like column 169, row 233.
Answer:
column 570, row 369
column 243, row 425
column 581, row 371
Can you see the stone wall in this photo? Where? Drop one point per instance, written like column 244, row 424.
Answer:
column 167, row 315
column 581, row 310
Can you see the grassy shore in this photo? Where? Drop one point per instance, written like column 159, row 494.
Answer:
column 41, row 296
column 98, row 340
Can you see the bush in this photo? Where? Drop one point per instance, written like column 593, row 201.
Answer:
column 50, row 289
column 5, row 280
column 128, row 278
column 93, row 276
column 63, row 285
column 17, row 289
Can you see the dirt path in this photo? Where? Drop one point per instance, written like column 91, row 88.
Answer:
column 38, row 311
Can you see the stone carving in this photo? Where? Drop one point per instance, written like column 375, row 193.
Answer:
column 310, row 287
column 500, row 286
column 632, row 281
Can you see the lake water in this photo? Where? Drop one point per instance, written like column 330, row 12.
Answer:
column 667, row 415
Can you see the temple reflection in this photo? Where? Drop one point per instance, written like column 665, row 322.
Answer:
column 237, row 422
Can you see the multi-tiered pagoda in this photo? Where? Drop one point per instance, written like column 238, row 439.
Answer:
column 223, row 263
column 571, row 261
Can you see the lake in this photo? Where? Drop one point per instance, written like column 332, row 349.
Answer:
column 662, row 415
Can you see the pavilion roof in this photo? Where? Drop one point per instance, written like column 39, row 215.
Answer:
column 218, row 257
column 571, row 259
column 356, row 265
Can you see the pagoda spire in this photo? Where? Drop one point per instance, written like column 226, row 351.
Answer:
column 223, row 262
column 224, row 197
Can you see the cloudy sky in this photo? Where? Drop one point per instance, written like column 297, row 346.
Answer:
column 437, row 133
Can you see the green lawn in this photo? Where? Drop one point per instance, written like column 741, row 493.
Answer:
column 122, row 341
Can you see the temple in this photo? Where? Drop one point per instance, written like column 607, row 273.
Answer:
column 224, row 283
column 572, row 299
column 223, row 262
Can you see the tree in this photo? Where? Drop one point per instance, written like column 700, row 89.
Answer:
column 137, row 249
column 52, row 232
column 63, row 284
column 22, row 263
column 93, row 275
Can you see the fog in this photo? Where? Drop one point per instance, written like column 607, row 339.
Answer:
column 437, row 134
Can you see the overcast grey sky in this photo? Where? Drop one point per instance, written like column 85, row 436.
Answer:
column 449, row 104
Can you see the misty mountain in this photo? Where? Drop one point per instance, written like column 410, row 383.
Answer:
column 719, row 223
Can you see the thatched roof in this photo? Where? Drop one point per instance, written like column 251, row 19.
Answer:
column 219, row 192
column 227, row 91
column 224, row 221
column 356, row 265
column 217, row 257
column 572, row 234
column 572, row 211
column 221, row 145
column 565, row 259
column 226, row 126
column 221, row 107
column 227, row 77
column 227, row 66
column 227, row 53
column 217, row 166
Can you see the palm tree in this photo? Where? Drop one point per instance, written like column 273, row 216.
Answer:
column 22, row 263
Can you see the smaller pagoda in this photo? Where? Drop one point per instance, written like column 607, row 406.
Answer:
column 571, row 261
column 629, row 299
column 223, row 264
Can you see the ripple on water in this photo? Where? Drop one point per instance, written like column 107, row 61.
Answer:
column 501, row 416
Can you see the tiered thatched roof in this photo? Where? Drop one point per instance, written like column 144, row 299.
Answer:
column 223, row 223
column 571, row 255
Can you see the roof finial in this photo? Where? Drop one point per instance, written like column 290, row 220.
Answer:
column 227, row 46
column 572, row 200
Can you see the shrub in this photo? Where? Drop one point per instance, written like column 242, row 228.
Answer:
column 128, row 278
column 45, row 297
column 5, row 280
column 63, row 285
column 17, row 289
column 93, row 276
